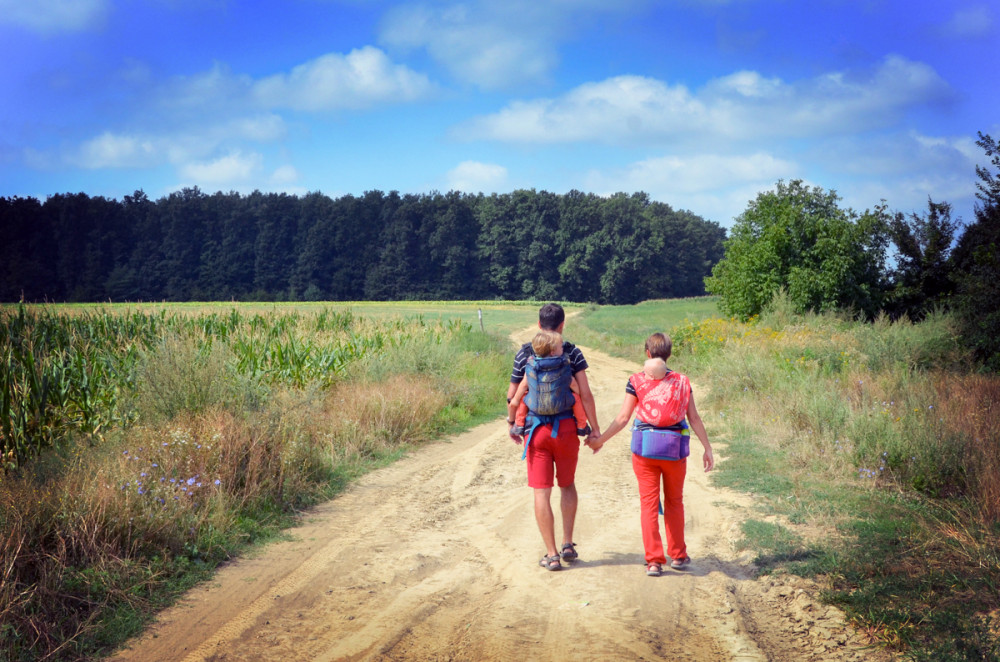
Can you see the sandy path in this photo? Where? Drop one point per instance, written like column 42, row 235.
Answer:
column 435, row 558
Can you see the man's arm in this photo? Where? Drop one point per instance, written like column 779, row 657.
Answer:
column 517, row 374
column 588, row 401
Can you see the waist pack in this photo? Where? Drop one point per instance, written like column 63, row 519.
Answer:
column 661, row 444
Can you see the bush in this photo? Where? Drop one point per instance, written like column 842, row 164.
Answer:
column 182, row 374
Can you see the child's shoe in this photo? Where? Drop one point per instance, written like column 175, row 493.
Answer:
column 584, row 431
column 517, row 429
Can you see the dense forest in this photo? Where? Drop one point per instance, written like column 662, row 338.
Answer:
column 191, row 246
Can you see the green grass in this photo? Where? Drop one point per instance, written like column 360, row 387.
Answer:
column 499, row 317
column 622, row 330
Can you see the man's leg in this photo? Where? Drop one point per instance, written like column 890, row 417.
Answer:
column 545, row 519
column 567, row 504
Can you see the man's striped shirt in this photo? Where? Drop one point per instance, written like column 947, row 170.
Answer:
column 576, row 360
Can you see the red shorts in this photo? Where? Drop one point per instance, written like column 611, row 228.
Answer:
column 546, row 453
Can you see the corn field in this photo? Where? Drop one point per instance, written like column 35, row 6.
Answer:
column 64, row 374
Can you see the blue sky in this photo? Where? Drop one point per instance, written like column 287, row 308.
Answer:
column 700, row 103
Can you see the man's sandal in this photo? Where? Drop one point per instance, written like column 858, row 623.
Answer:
column 568, row 552
column 550, row 562
column 654, row 569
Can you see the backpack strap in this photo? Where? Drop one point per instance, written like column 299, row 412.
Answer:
column 534, row 421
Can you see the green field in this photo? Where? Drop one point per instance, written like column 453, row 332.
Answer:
column 871, row 450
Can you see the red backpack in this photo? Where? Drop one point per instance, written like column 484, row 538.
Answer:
column 662, row 402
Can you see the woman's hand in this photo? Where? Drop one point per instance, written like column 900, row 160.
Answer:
column 708, row 460
column 594, row 442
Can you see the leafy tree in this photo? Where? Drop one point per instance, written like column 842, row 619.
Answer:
column 313, row 272
column 797, row 238
column 452, row 245
column 184, row 219
column 274, row 250
column 581, row 262
column 393, row 274
column 977, row 265
column 189, row 245
column 682, row 248
column 922, row 277
column 27, row 239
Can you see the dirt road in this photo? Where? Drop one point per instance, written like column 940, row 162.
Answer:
column 435, row 558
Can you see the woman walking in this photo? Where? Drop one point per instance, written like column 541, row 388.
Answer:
column 660, row 447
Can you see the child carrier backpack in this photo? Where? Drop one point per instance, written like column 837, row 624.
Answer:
column 549, row 391
column 662, row 402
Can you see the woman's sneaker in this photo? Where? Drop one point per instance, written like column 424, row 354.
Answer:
column 681, row 564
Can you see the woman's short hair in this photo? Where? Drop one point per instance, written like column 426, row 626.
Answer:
column 659, row 346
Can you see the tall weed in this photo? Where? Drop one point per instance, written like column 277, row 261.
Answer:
column 182, row 374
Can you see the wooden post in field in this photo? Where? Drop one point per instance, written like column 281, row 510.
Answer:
column 481, row 321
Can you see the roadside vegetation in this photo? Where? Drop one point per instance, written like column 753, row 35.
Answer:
column 143, row 448
column 872, row 451
column 870, row 448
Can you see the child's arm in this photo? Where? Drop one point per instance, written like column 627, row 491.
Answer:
column 515, row 400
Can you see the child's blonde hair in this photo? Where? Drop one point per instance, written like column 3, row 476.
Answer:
column 546, row 343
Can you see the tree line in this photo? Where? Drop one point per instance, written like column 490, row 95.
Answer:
column 191, row 246
column 797, row 239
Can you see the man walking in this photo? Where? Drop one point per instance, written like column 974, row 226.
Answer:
column 552, row 456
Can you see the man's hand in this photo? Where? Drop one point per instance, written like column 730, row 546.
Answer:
column 518, row 439
column 593, row 441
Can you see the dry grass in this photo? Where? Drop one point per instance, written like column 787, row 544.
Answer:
column 71, row 544
column 970, row 406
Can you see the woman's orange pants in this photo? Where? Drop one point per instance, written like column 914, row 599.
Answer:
column 650, row 473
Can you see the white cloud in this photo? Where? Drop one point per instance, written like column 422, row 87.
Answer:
column 53, row 16
column 284, row 175
column 475, row 177
column 969, row 22
column 743, row 106
column 183, row 145
column 363, row 78
column 903, row 168
column 109, row 150
column 894, row 154
column 712, row 185
column 704, row 172
column 233, row 170
column 216, row 88
column 491, row 45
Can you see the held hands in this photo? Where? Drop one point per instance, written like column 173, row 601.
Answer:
column 517, row 439
column 594, row 442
